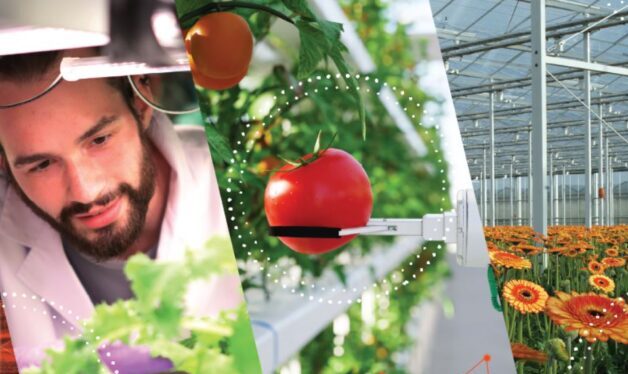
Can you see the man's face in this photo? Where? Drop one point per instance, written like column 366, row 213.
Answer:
column 80, row 160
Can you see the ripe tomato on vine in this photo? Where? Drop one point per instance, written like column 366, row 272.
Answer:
column 333, row 190
column 219, row 47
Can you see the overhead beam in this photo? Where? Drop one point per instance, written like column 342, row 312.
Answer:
column 584, row 65
column 551, row 125
column 521, row 38
column 557, row 105
column 575, row 7
column 519, row 82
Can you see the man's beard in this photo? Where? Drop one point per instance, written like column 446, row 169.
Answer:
column 113, row 240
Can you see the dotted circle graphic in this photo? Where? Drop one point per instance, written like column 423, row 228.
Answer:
column 236, row 204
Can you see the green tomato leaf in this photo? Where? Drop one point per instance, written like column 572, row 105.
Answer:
column 299, row 7
column 217, row 144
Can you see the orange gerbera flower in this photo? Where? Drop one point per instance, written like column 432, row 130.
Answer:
column 492, row 246
column 614, row 262
column 596, row 267
column 572, row 252
column 602, row 283
column 525, row 296
column 557, row 249
column 527, row 249
column 509, row 260
column 582, row 245
column 521, row 351
column 612, row 252
column 594, row 317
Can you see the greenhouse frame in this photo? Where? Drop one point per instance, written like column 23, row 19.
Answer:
column 534, row 101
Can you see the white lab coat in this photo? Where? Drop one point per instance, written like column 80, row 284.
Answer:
column 42, row 296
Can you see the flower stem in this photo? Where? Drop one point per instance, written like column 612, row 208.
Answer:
column 588, row 363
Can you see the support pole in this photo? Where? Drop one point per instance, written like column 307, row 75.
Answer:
column 607, row 182
column 492, row 151
column 519, row 182
column 512, row 194
column 588, row 221
column 600, row 173
column 484, row 181
column 539, row 120
column 551, row 183
column 611, row 195
column 564, row 196
column 530, row 212
column 619, row 220
column 481, row 196
column 556, row 194
column 572, row 219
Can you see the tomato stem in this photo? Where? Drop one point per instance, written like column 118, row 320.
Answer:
column 315, row 155
column 214, row 7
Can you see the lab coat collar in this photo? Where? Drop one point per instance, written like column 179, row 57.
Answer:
column 45, row 269
column 177, row 228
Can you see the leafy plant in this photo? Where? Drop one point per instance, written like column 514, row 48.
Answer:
column 156, row 319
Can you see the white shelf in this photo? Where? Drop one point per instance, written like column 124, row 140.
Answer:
column 288, row 321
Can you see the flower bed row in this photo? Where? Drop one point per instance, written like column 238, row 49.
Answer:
column 563, row 296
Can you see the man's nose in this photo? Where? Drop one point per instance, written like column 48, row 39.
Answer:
column 85, row 181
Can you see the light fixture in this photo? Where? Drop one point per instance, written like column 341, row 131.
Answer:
column 27, row 25
column 73, row 69
column 137, row 37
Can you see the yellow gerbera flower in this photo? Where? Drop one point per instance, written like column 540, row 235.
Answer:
column 525, row 296
column 602, row 283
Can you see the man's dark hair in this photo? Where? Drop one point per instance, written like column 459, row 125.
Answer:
column 30, row 66
column 34, row 65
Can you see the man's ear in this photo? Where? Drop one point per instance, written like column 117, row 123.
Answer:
column 145, row 112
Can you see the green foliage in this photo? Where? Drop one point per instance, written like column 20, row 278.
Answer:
column 377, row 348
column 281, row 118
column 156, row 318
column 320, row 39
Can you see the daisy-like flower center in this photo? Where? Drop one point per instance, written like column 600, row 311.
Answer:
column 526, row 294
column 595, row 313
column 601, row 282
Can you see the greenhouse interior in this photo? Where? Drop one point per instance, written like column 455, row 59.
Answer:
column 500, row 101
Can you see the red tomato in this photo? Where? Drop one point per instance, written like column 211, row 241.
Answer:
column 332, row 191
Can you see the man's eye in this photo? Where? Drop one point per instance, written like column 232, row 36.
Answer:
column 101, row 140
column 40, row 166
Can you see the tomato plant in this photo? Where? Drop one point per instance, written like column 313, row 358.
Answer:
column 331, row 191
column 219, row 47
